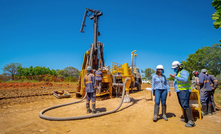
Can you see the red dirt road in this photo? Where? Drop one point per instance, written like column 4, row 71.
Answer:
column 132, row 118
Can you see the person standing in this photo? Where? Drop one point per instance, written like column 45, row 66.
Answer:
column 182, row 88
column 160, row 88
column 90, row 85
column 214, row 85
column 195, row 80
column 98, row 79
column 205, row 93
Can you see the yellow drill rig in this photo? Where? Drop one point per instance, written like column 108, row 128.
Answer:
column 113, row 76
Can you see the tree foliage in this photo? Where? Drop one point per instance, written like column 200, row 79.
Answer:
column 170, row 78
column 217, row 15
column 11, row 69
column 148, row 73
column 206, row 57
column 69, row 71
column 31, row 71
column 218, row 77
column 15, row 70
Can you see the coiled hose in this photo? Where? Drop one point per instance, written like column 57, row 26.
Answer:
column 80, row 117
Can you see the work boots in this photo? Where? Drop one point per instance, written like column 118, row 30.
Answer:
column 156, row 112
column 88, row 108
column 204, row 110
column 164, row 112
column 94, row 110
column 189, row 115
column 209, row 109
column 184, row 118
column 213, row 108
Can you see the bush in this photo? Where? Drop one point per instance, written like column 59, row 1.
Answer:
column 5, row 78
column 70, row 79
column 218, row 77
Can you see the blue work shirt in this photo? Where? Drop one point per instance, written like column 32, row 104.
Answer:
column 204, row 82
column 90, row 83
column 213, row 81
column 184, row 75
column 160, row 83
column 98, row 75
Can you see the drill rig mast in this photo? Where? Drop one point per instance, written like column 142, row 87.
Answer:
column 96, row 51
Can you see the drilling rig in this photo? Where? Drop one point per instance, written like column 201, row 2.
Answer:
column 113, row 76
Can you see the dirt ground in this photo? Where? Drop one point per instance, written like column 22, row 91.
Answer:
column 20, row 115
column 18, row 93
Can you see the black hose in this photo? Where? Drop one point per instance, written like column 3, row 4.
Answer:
column 79, row 117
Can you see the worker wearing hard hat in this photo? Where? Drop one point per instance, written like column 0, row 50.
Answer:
column 90, row 85
column 98, row 79
column 214, row 85
column 182, row 88
column 195, row 80
column 160, row 88
column 205, row 93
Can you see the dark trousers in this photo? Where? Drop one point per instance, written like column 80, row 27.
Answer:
column 206, row 97
column 212, row 96
column 183, row 98
column 160, row 94
column 98, row 83
column 91, row 96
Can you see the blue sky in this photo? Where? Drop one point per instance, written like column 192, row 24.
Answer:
column 47, row 32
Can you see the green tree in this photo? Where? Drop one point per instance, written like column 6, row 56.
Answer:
column 37, row 70
column 170, row 78
column 144, row 78
column 218, row 77
column 31, row 71
column 148, row 73
column 53, row 72
column 61, row 72
column 11, row 69
column 206, row 57
column 217, row 15
column 71, row 71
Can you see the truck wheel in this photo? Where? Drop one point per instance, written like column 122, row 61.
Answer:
column 138, row 85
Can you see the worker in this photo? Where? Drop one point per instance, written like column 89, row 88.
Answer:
column 182, row 88
column 98, row 79
column 160, row 88
column 90, row 85
column 205, row 93
column 214, row 85
column 195, row 80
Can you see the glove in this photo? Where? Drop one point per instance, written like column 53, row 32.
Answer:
column 213, row 88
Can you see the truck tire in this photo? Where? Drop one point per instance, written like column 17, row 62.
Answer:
column 138, row 85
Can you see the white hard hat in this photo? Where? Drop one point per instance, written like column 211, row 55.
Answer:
column 175, row 64
column 159, row 67
column 89, row 68
column 204, row 71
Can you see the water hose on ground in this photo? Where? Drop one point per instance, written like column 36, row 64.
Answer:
column 80, row 117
